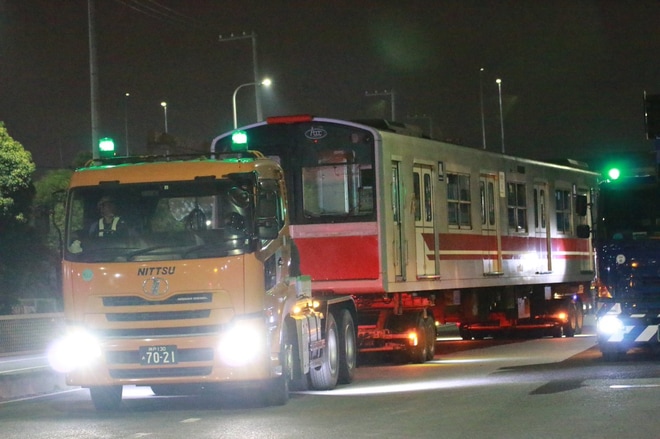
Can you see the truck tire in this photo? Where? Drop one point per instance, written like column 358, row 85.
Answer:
column 613, row 354
column 570, row 327
column 418, row 353
column 325, row 376
column 299, row 379
column 579, row 317
column 106, row 398
column 430, row 337
column 347, row 347
column 277, row 389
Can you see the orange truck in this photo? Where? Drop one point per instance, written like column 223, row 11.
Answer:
column 195, row 286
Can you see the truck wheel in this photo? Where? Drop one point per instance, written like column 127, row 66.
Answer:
column 106, row 398
column 613, row 354
column 277, row 389
column 347, row 347
column 299, row 379
column 430, row 338
column 324, row 377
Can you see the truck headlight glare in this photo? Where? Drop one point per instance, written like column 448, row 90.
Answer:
column 242, row 343
column 77, row 349
column 610, row 325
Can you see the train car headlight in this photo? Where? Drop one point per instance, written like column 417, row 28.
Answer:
column 77, row 349
column 610, row 325
column 242, row 342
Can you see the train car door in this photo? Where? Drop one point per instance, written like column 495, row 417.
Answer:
column 398, row 244
column 492, row 253
column 426, row 246
column 541, row 229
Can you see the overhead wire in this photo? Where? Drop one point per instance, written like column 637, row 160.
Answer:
column 160, row 12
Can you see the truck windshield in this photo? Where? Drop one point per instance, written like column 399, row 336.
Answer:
column 160, row 221
column 629, row 214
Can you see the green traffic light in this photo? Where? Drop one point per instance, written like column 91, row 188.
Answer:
column 614, row 174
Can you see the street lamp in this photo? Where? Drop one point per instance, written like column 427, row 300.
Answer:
column 126, row 119
column 499, row 89
column 164, row 105
column 266, row 83
column 255, row 70
column 481, row 98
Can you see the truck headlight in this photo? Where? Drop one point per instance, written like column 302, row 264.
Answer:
column 242, row 342
column 610, row 325
column 77, row 349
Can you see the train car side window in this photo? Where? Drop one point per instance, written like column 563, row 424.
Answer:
column 517, row 207
column 563, row 210
column 459, row 202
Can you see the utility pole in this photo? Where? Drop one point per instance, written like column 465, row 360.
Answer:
column 93, row 78
column 384, row 93
column 255, row 70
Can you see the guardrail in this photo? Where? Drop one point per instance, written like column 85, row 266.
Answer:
column 28, row 333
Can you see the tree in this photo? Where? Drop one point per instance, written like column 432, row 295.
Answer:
column 17, row 242
column 16, row 190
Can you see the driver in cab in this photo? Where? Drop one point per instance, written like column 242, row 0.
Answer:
column 110, row 223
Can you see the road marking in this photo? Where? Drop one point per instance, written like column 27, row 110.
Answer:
column 633, row 386
column 45, row 395
column 190, row 420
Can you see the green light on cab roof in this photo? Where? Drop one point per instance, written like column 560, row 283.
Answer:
column 614, row 174
column 239, row 141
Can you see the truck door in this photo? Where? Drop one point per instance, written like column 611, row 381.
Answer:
column 492, row 254
column 426, row 245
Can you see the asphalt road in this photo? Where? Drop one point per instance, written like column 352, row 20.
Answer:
column 549, row 388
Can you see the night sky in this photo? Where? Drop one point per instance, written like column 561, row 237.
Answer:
column 573, row 71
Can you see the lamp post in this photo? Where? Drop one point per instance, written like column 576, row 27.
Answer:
column 126, row 95
column 481, row 98
column 266, row 83
column 164, row 105
column 499, row 89
column 255, row 71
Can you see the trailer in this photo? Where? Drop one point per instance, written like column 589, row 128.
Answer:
column 423, row 232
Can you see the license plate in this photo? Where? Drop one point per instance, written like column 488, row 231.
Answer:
column 158, row 355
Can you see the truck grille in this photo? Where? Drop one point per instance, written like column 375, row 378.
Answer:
column 178, row 299
column 151, row 316
column 160, row 332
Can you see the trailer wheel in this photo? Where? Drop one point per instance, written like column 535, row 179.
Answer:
column 429, row 322
column 324, row 377
column 579, row 317
column 106, row 398
column 347, row 347
column 570, row 327
column 419, row 353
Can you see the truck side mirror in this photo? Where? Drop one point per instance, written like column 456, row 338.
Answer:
column 267, row 207
column 581, row 205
